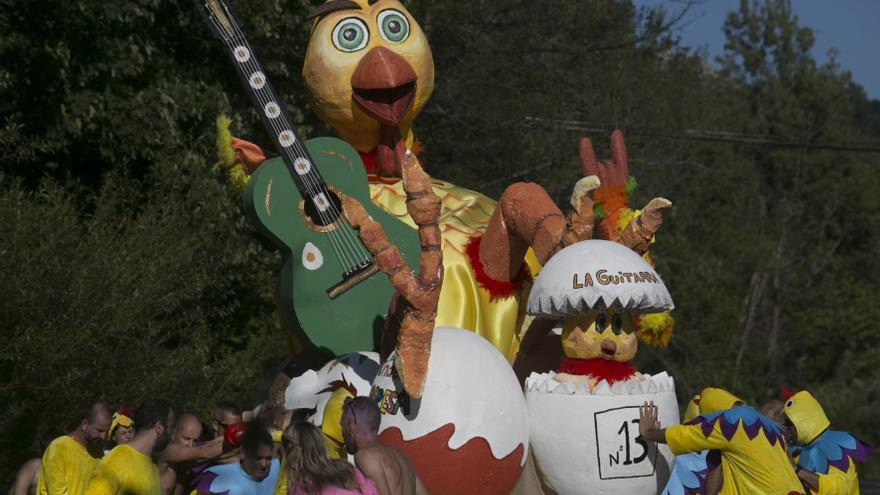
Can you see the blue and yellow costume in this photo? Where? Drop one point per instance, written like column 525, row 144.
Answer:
column 689, row 471
column 752, row 449
column 832, row 455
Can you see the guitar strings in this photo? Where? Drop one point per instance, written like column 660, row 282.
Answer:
column 252, row 66
column 344, row 244
column 351, row 243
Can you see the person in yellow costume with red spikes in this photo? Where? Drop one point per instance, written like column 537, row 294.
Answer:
column 753, row 453
column 826, row 459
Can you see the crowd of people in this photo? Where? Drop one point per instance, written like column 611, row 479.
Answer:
column 785, row 447
column 148, row 450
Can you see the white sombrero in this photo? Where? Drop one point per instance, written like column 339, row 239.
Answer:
column 597, row 274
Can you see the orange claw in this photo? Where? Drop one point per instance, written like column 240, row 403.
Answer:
column 420, row 293
column 638, row 233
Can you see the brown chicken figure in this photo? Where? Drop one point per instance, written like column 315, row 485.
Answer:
column 369, row 72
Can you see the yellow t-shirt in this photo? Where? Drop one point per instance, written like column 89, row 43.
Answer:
column 66, row 468
column 749, row 466
column 125, row 471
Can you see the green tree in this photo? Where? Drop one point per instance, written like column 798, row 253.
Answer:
column 128, row 269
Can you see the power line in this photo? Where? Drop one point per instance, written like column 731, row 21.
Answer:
column 697, row 135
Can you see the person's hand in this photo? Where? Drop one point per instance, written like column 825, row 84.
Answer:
column 234, row 435
column 648, row 420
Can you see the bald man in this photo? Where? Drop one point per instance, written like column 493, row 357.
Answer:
column 175, row 476
column 70, row 459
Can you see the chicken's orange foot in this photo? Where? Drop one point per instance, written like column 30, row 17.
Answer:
column 421, row 292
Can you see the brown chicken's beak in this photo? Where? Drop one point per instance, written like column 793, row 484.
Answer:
column 384, row 85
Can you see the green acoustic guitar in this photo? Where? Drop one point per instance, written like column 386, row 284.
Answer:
column 331, row 292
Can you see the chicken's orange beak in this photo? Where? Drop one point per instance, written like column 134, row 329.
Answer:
column 383, row 85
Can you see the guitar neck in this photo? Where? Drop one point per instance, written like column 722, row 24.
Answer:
column 268, row 106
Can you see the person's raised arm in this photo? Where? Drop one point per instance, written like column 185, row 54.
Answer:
column 202, row 453
column 680, row 438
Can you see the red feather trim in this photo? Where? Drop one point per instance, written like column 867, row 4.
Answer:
column 785, row 393
column 598, row 368
column 369, row 161
column 497, row 288
column 611, row 199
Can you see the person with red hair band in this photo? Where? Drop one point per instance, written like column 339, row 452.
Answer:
column 121, row 428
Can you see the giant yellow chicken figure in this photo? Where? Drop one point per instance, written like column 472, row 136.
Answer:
column 369, row 72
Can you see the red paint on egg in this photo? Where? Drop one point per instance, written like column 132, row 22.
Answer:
column 470, row 469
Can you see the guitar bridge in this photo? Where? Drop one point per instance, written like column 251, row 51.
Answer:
column 352, row 278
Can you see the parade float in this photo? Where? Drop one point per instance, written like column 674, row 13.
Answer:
column 369, row 72
column 340, row 211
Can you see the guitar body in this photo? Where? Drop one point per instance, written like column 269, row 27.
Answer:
column 353, row 320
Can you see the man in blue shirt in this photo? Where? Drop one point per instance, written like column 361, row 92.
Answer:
column 255, row 474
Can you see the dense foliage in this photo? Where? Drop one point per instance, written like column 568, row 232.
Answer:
column 127, row 269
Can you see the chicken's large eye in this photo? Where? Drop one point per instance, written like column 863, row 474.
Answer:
column 616, row 323
column 393, row 26
column 601, row 322
column 350, row 35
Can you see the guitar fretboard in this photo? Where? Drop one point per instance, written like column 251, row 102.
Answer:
column 275, row 117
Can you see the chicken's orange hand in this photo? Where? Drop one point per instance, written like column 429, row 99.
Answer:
column 611, row 173
column 248, row 154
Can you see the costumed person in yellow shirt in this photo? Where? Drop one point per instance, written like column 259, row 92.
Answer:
column 129, row 469
column 752, row 448
column 826, row 459
column 70, row 459
column 697, row 472
column 121, row 428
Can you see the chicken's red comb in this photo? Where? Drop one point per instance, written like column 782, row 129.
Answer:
column 785, row 392
column 125, row 410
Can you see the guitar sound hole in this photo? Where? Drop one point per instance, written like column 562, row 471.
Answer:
column 324, row 218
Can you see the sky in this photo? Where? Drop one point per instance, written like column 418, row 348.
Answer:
column 850, row 26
